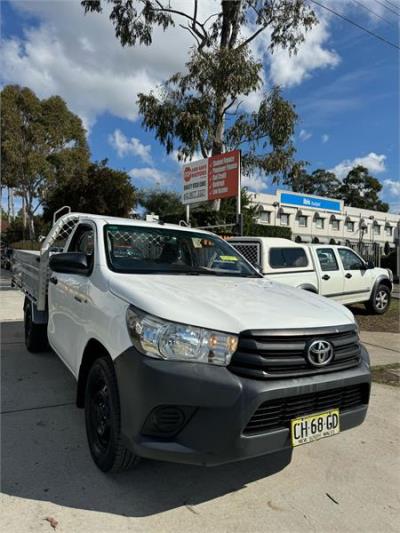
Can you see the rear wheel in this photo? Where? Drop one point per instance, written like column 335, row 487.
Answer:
column 103, row 419
column 380, row 300
column 35, row 334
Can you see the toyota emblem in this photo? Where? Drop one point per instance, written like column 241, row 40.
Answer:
column 320, row 353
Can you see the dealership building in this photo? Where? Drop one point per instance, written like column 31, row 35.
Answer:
column 326, row 220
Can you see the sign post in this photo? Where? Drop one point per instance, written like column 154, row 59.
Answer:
column 213, row 178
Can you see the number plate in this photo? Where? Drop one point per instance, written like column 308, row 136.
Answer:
column 314, row 427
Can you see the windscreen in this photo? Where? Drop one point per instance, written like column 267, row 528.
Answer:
column 137, row 249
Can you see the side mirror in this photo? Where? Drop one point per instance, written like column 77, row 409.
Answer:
column 70, row 263
column 370, row 264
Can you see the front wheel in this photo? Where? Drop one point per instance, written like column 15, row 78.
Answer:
column 35, row 334
column 380, row 300
column 103, row 419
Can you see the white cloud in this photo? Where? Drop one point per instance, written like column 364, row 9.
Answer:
column 373, row 162
column 324, row 138
column 79, row 58
column 288, row 71
column 391, row 188
column 174, row 157
column 254, row 183
column 132, row 146
column 304, row 135
column 152, row 176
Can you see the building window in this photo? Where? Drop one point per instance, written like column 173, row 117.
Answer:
column 335, row 225
column 284, row 219
column 389, row 231
column 350, row 226
column 302, row 221
column 319, row 223
column 377, row 229
column 265, row 216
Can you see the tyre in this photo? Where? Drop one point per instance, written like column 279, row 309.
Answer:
column 380, row 300
column 103, row 419
column 35, row 334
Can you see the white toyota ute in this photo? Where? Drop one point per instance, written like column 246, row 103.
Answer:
column 182, row 351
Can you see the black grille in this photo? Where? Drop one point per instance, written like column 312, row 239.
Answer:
column 265, row 355
column 278, row 413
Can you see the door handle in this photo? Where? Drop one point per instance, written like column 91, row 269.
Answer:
column 53, row 280
column 348, row 275
column 78, row 299
column 326, row 277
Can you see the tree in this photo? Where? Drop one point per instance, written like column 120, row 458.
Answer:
column 320, row 182
column 199, row 110
column 43, row 143
column 162, row 203
column 360, row 189
column 168, row 205
column 101, row 190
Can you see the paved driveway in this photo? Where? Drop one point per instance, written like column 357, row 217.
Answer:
column 346, row 483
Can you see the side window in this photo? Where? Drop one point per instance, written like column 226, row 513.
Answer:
column 86, row 243
column 327, row 259
column 83, row 241
column 287, row 258
column 59, row 243
column 350, row 260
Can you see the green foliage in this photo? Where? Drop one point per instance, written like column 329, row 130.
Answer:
column 17, row 231
column 42, row 143
column 166, row 204
column 25, row 245
column 386, row 248
column 199, row 110
column 320, row 182
column 100, row 190
column 390, row 261
column 360, row 189
column 261, row 230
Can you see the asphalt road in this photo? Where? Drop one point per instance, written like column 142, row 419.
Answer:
column 349, row 482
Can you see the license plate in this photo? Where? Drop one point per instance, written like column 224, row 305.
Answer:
column 314, row 427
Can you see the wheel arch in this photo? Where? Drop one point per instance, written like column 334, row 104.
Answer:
column 93, row 350
column 382, row 280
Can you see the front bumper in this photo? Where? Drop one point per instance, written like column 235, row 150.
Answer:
column 223, row 402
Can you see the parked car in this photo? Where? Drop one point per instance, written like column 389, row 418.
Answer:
column 336, row 272
column 181, row 350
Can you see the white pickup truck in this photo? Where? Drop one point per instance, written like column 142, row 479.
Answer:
column 336, row 272
column 181, row 350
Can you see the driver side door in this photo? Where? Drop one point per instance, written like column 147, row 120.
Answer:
column 68, row 299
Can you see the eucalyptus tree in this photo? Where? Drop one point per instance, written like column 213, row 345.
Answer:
column 42, row 144
column 203, row 109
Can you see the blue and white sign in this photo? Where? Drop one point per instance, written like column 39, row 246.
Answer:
column 310, row 202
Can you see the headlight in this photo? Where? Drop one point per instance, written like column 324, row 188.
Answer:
column 161, row 339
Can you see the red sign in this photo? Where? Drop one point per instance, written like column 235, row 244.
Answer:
column 223, row 175
column 212, row 178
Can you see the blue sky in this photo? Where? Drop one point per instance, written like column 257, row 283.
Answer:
column 343, row 82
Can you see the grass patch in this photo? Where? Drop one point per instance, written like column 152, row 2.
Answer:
column 388, row 322
column 387, row 374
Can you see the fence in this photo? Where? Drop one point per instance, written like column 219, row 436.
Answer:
column 369, row 251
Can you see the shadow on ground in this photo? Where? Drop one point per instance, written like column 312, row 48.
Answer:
column 45, row 456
